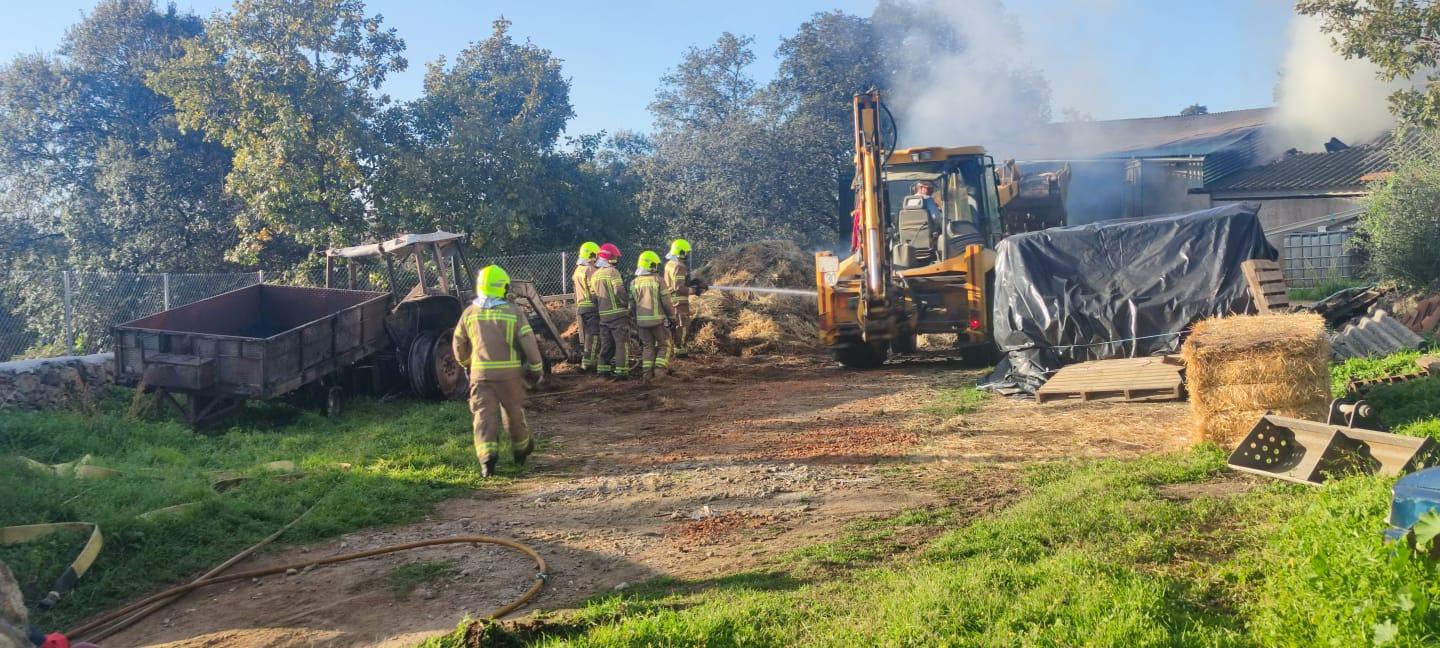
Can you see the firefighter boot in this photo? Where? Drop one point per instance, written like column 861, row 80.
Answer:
column 523, row 452
column 487, row 469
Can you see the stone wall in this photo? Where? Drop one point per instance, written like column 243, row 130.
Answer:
column 46, row 383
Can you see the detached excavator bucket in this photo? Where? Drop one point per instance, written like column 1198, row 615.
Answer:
column 1308, row 452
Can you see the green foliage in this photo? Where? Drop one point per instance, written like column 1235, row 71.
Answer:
column 1401, row 38
column 1398, row 229
column 492, row 120
column 1395, row 364
column 290, row 88
column 1327, row 570
column 1324, row 289
column 1194, row 109
column 94, row 170
column 403, row 456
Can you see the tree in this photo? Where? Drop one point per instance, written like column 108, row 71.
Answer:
column 708, row 86
column 290, row 87
column 475, row 154
column 97, row 173
column 1194, row 109
column 1402, row 38
column 720, row 162
column 1400, row 224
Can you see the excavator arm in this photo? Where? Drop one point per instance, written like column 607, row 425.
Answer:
column 875, row 294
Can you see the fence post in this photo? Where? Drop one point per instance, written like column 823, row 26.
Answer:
column 165, row 286
column 260, row 274
column 564, row 272
column 69, row 315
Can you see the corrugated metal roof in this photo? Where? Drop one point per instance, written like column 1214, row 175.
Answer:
column 1338, row 171
column 1377, row 335
column 1173, row 136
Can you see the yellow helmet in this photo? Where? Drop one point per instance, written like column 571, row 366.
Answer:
column 493, row 282
column 589, row 250
column 648, row 261
column 680, row 248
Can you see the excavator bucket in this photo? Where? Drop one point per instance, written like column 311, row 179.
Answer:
column 1309, row 452
column 1038, row 202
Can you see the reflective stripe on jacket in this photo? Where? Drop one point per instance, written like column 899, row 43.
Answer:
column 651, row 305
column 608, row 290
column 677, row 277
column 489, row 343
column 584, row 300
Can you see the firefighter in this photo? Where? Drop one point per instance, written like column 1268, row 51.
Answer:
column 492, row 337
column 608, row 290
column 653, row 311
column 586, row 315
column 677, row 288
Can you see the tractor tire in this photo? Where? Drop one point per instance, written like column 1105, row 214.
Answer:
column 432, row 368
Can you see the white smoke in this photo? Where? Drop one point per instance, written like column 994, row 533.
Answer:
column 1323, row 95
column 979, row 95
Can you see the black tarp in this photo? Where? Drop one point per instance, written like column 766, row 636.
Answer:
column 1116, row 289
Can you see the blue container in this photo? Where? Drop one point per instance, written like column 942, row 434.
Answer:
column 1412, row 496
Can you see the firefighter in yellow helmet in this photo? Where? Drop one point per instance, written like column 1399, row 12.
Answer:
column 608, row 290
column 677, row 288
column 653, row 312
column 587, row 316
column 490, row 342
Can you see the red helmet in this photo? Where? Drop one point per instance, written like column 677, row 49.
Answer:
column 609, row 252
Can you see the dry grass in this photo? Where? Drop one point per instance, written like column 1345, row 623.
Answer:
column 745, row 324
column 1238, row 368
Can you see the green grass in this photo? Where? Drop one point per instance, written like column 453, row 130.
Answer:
column 950, row 403
column 1325, row 289
column 403, row 455
column 1362, row 368
column 405, row 578
column 1098, row 554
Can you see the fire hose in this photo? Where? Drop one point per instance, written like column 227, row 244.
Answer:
column 175, row 592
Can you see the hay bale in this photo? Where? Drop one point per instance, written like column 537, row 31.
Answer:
column 1238, row 368
column 747, row 324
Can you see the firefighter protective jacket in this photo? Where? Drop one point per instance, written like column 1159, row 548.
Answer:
column 584, row 300
column 677, row 281
column 608, row 290
column 651, row 304
column 489, row 343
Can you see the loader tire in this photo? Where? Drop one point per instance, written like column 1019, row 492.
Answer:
column 862, row 355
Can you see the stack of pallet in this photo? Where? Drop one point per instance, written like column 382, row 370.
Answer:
column 1267, row 285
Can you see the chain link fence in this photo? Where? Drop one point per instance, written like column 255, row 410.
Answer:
column 55, row 313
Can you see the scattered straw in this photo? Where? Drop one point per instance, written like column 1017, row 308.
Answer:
column 746, row 324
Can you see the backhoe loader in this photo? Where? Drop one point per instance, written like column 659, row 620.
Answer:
column 920, row 264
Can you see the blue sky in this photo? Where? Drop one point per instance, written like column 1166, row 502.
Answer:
column 1110, row 58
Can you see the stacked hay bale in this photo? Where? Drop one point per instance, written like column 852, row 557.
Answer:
column 1238, row 368
column 747, row 324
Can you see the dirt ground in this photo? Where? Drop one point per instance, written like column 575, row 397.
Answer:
column 715, row 470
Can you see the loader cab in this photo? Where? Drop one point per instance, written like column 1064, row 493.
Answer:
column 965, row 195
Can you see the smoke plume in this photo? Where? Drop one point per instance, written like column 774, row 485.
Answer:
column 1322, row 95
column 966, row 80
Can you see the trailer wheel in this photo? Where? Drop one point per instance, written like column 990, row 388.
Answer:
column 334, row 401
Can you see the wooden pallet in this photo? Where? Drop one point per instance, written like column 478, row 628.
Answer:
column 1267, row 285
column 1128, row 379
